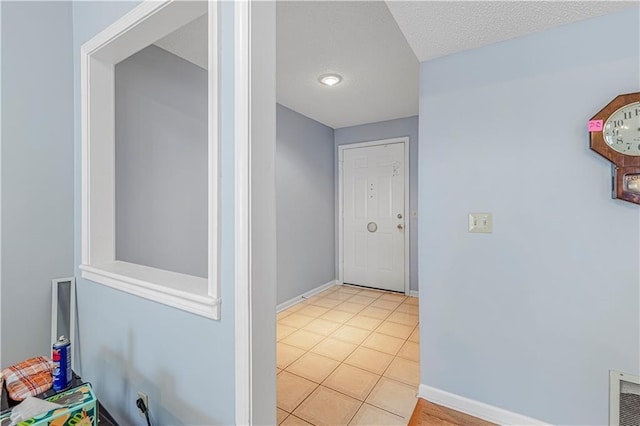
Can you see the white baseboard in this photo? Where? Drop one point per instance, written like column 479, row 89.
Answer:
column 294, row 301
column 413, row 293
column 475, row 408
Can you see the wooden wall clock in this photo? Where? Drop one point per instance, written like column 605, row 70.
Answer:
column 615, row 134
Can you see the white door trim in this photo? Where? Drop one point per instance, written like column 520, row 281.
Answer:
column 255, row 211
column 407, row 234
column 242, row 243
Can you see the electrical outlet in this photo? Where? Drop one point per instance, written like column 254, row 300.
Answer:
column 481, row 222
column 145, row 399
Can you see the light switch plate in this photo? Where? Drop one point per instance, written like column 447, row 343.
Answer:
column 481, row 222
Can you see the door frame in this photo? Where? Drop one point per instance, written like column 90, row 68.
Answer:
column 255, row 213
column 404, row 140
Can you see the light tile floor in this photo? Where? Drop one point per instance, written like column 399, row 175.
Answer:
column 348, row 356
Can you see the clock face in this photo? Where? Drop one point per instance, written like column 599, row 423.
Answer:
column 622, row 130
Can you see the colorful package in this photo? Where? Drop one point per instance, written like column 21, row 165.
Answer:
column 79, row 409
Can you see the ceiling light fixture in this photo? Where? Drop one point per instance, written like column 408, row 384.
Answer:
column 330, row 79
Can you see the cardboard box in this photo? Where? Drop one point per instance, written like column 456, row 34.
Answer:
column 79, row 408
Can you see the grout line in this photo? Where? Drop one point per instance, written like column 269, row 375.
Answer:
column 372, row 388
column 390, row 412
column 300, row 418
column 313, row 381
column 305, row 398
column 356, row 413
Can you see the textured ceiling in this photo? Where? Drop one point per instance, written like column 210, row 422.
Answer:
column 439, row 28
column 358, row 40
column 366, row 42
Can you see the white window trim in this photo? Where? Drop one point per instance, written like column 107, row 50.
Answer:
column 148, row 22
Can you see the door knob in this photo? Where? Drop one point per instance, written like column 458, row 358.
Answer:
column 400, row 226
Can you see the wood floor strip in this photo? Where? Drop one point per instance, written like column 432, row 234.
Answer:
column 427, row 413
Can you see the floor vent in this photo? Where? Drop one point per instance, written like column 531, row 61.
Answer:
column 624, row 399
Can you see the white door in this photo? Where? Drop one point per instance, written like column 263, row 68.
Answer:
column 373, row 216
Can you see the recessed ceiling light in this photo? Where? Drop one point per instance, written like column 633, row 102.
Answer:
column 330, row 79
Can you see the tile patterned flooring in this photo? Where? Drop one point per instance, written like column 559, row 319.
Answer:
column 348, row 356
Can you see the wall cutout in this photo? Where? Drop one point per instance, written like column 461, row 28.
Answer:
column 150, row 155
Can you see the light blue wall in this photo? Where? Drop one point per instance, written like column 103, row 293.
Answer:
column 161, row 162
column 37, row 171
column 386, row 130
column 185, row 363
column 304, row 203
column 531, row 317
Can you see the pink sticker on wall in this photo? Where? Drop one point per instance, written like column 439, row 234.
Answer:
column 595, row 126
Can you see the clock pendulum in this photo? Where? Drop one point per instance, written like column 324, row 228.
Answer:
column 615, row 134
